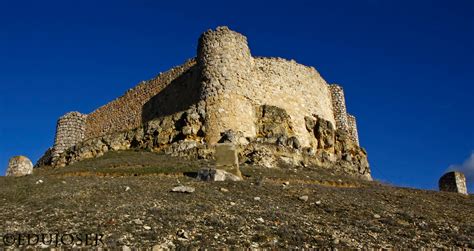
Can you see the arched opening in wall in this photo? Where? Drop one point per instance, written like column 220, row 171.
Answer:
column 179, row 95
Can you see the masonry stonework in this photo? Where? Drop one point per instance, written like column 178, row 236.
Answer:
column 352, row 127
column 70, row 130
column 134, row 107
column 19, row 166
column 224, row 92
column 339, row 106
column 235, row 84
column 226, row 64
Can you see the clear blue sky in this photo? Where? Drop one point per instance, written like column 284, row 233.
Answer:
column 406, row 66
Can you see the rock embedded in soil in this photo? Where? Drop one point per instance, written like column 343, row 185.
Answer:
column 183, row 189
column 303, row 198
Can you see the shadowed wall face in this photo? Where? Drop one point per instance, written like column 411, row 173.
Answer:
column 453, row 182
column 140, row 104
column 179, row 95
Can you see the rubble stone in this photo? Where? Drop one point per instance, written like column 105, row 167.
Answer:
column 19, row 166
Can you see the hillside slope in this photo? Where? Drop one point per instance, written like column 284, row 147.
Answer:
column 126, row 197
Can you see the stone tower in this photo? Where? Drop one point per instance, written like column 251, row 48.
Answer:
column 70, row 130
column 226, row 68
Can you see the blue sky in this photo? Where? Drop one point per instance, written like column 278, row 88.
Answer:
column 406, row 66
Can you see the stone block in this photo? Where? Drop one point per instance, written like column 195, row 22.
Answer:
column 227, row 159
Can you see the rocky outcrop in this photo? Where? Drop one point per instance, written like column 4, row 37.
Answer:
column 170, row 92
column 19, row 166
column 183, row 134
column 330, row 147
column 273, row 123
column 172, row 134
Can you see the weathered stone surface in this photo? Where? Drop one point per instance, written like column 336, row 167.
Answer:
column 273, row 123
column 294, row 142
column 183, row 189
column 19, row 166
column 339, row 106
column 325, row 134
column 227, row 158
column 169, row 92
column 237, row 138
column 453, row 182
column 261, row 155
column 352, row 128
column 350, row 155
column 330, row 148
column 165, row 134
column 310, row 123
column 211, row 174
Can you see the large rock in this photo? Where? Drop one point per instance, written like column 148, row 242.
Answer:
column 275, row 143
column 453, row 182
column 19, row 166
column 273, row 122
column 325, row 134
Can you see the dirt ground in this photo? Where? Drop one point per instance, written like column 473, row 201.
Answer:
column 125, row 198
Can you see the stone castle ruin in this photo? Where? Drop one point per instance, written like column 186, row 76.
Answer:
column 453, row 182
column 274, row 111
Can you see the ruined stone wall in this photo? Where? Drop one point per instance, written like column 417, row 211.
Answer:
column 226, row 86
column 70, row 130
column 275, row 146
column 339, row 106
column 139, row 104
column 235, row 84
column 298, row 89
column 344, row 120
column 453, row 182
column 352, row 126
